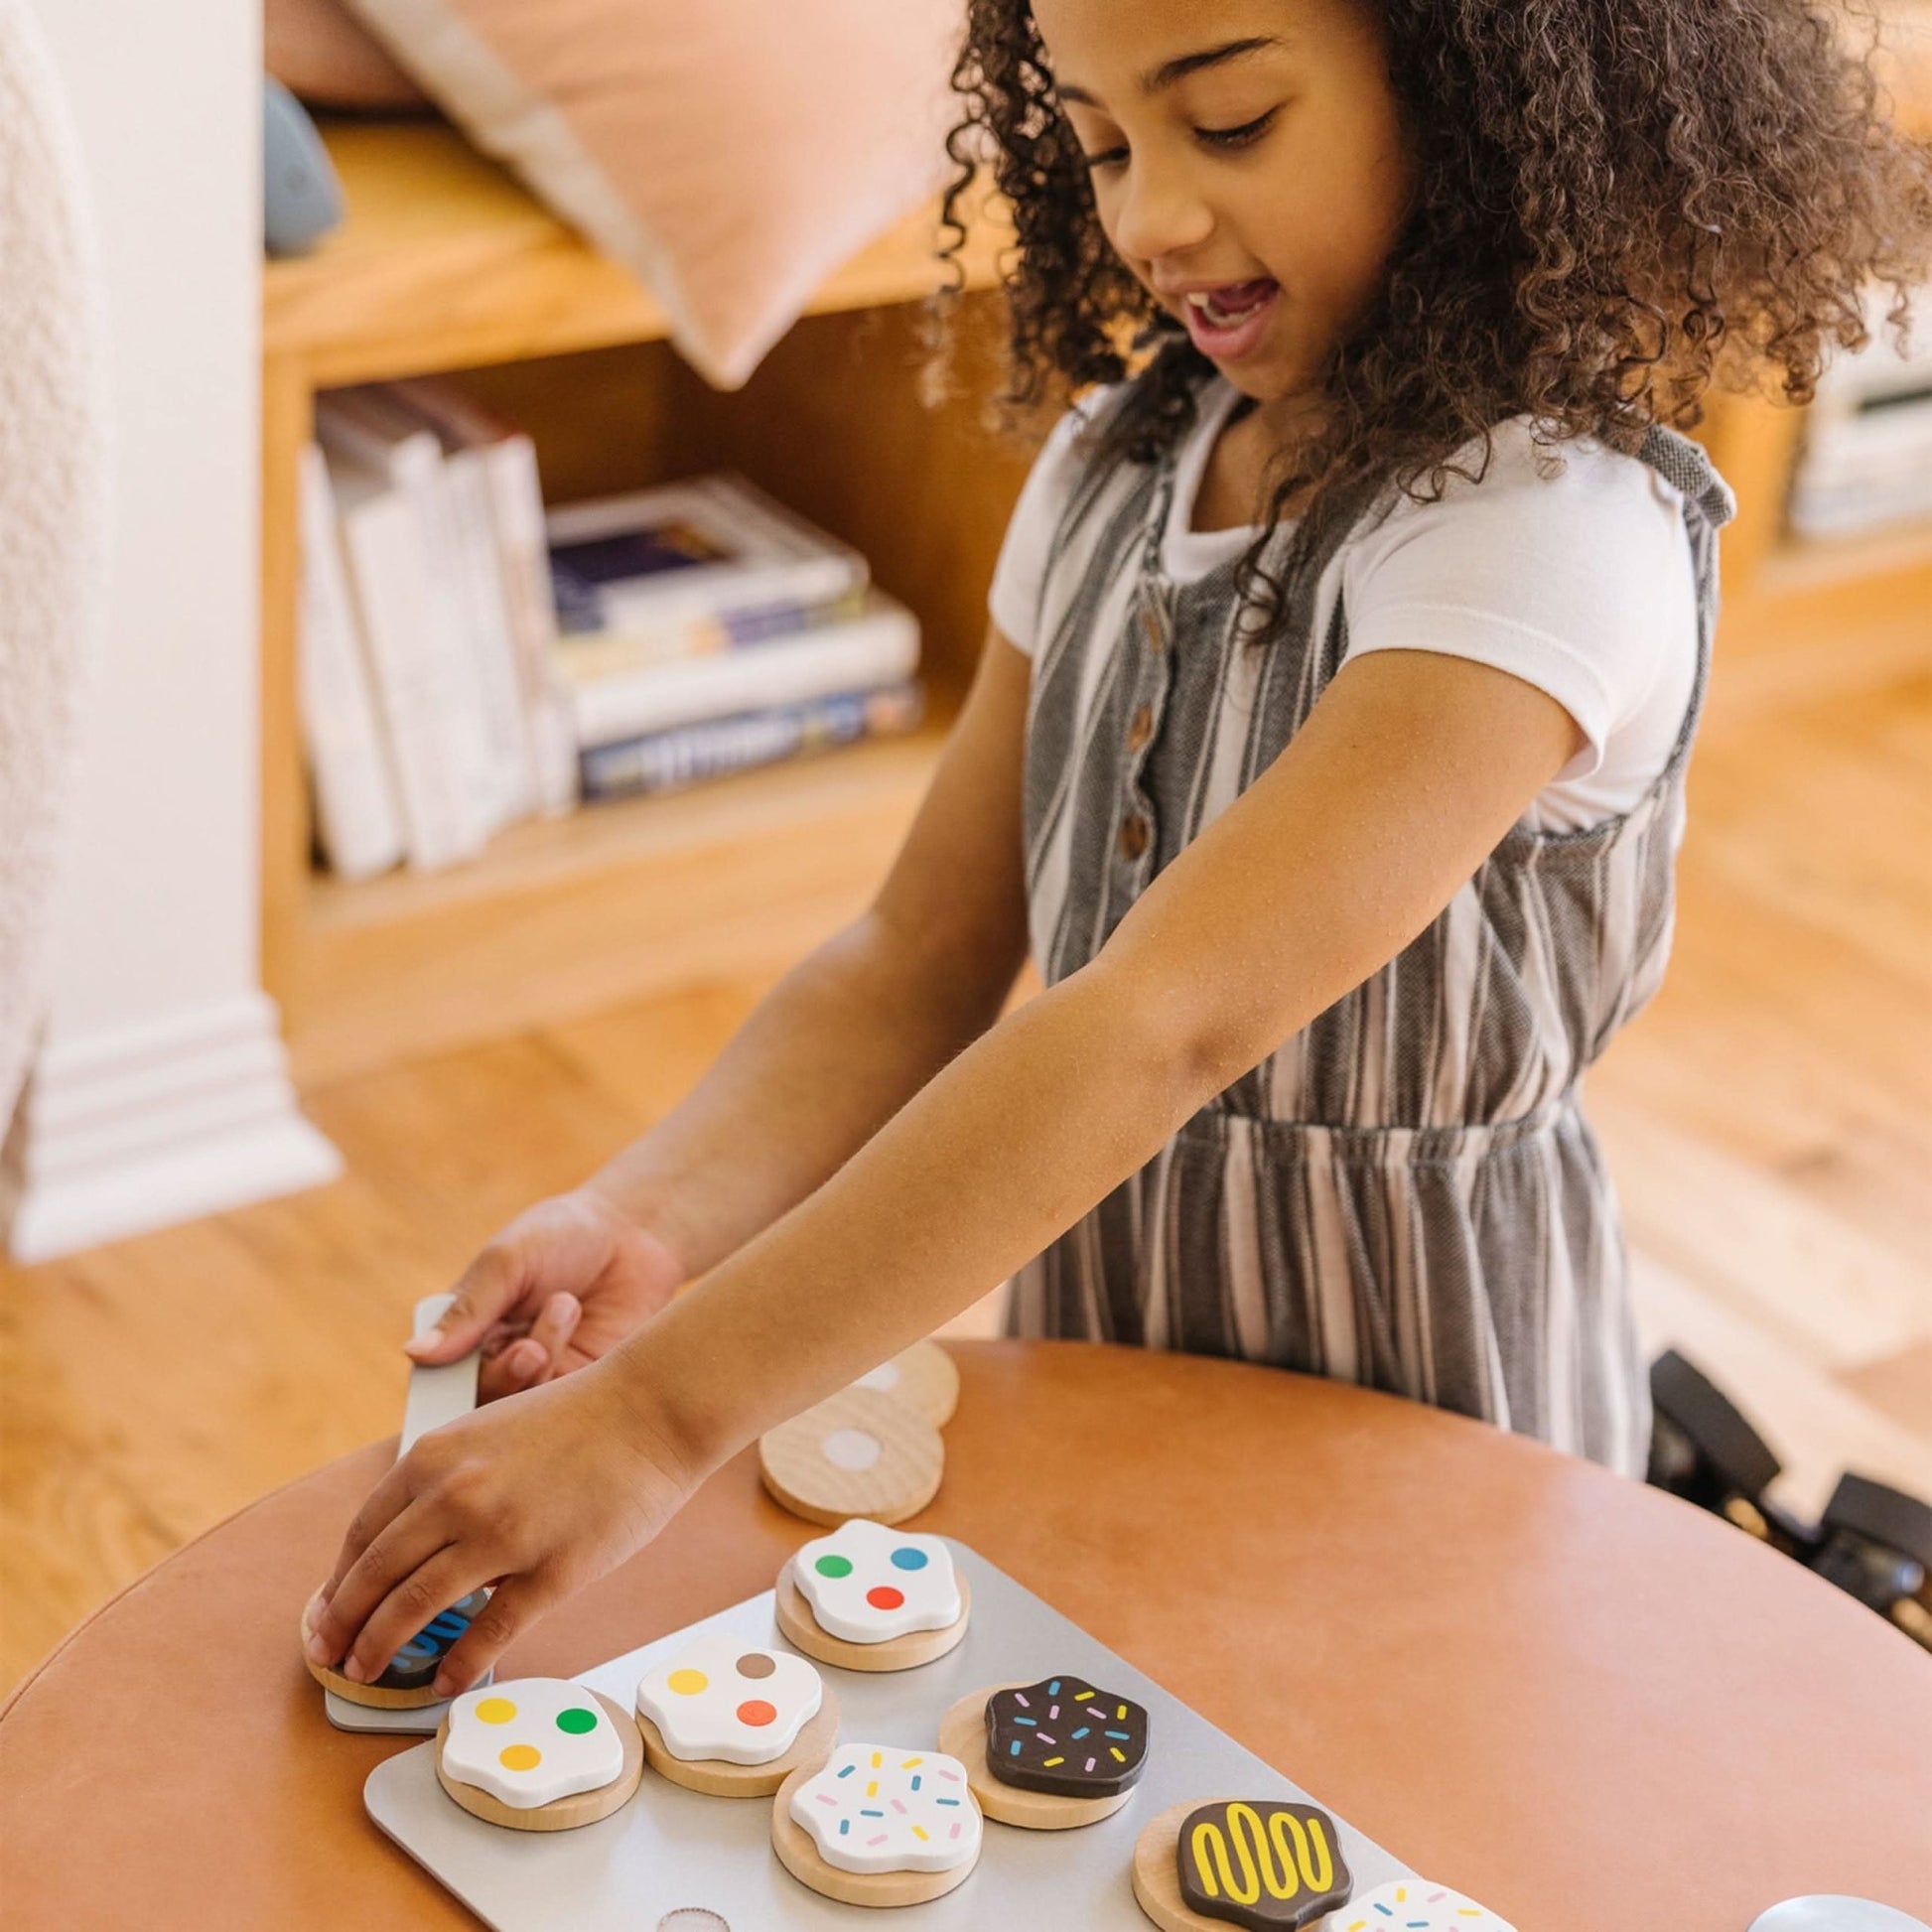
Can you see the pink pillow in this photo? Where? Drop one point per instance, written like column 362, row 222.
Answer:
column 731, row 153
column 316, row 50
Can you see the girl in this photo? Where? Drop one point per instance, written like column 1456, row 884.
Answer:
column 1347, row 646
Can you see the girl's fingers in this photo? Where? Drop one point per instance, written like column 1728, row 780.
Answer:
column 517, row 1605
column 523, row 1363
column 384, row 1504
column 395, row 1552
column 446, row 1578
column 533, row 1357
column 555, row 1325
column 491, row 1286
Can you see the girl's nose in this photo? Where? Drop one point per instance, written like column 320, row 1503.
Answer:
column 1159, row 213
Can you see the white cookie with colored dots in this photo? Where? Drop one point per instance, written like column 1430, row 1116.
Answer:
column 1415, row 1905
column 876, row 1809
column 868, row 1584
column 531, row 1741
column 722, row 1698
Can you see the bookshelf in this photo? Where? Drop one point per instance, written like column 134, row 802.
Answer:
column 444, row 264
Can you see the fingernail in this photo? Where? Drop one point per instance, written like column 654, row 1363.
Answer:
column 354, row 1671
column 423, row 1344
column 318, row 1649
column 445, row 1685
column 525, row 1359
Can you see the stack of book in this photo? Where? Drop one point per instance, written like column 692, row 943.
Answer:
column 468, row 659
column 429, row 695
column 705, row 629
column 1866, row 461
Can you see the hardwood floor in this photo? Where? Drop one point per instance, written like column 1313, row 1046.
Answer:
column 1769, row 1123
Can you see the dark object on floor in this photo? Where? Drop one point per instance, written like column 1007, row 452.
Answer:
column 1703, row 1450
column 1877, row 1543
column 1873, row 1542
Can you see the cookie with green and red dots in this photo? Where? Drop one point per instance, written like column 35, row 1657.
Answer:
column 867, row 1583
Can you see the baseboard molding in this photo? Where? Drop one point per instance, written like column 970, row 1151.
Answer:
column 121, row 1133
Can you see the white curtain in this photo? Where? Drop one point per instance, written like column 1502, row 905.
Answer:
column 52, row 510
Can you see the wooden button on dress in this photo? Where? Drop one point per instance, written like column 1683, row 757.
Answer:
column 1132, row 836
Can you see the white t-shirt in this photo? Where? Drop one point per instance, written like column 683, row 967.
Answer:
column 1581, row 584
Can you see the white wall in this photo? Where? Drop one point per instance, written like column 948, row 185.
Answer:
column 161, row 1090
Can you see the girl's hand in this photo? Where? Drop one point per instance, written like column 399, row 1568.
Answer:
column 558, row 1288
column 540, row 1497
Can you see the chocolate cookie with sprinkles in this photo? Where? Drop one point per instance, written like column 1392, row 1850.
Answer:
column 1048, row 1755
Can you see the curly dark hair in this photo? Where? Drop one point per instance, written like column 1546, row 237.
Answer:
column 1619, row 203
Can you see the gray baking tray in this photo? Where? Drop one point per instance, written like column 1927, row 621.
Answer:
column 672, row 1851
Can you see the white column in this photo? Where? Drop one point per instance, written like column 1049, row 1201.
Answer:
column 161, row 1091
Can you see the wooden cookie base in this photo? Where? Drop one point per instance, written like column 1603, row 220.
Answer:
column 374, row 1696
column 900, row 1483
column 1157, row 1874
column 717, row 1777
column 925, row 1378
column 803, row 1632
column 564, row 1814
column 962, row 1735
column 800, row 1857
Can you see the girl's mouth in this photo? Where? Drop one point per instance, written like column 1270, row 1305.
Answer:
column 1230, row 322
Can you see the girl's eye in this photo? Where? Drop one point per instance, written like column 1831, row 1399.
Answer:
column 1110, row 158
column 1238, row 137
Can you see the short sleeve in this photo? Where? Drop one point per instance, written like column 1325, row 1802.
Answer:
column 1578, row 582
column 1019, row 576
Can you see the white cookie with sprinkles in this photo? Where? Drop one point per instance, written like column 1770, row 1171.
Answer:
column 875, row 1810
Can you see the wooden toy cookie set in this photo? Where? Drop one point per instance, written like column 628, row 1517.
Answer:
column 872, row 1449
column 956, row 1781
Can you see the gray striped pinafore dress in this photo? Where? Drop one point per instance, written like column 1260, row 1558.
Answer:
column 1405, row 1195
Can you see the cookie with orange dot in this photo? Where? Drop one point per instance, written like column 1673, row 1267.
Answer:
column 734, row 1720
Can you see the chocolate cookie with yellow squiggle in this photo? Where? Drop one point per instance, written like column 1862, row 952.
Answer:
column 1261, row 1863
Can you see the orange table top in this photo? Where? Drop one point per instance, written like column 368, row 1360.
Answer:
column 1575, row 1698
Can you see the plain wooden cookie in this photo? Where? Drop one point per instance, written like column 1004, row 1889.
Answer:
column 860, row 1453
column 924, row 1378
column 799, row 1856
column 962, row 1735
column 565, row 1814
column 802, row 1630
column 718, row 1778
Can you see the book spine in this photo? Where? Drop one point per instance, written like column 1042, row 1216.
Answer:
column 690, row 754
column 415, row 683
column 359, row 820
column 516, row 505
column 587, row 655
column 363, row 430
column 879, row 648
column 722, row 596
column 478, row 587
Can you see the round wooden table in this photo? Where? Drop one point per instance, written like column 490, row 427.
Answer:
column 1575, row 1698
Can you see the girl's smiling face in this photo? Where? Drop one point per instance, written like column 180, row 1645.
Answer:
column 1249, row 166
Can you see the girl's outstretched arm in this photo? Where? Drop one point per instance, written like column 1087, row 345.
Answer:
column 830, row 1054
column 1406, row 774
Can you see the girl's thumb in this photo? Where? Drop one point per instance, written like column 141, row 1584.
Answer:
column 460, row 1325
